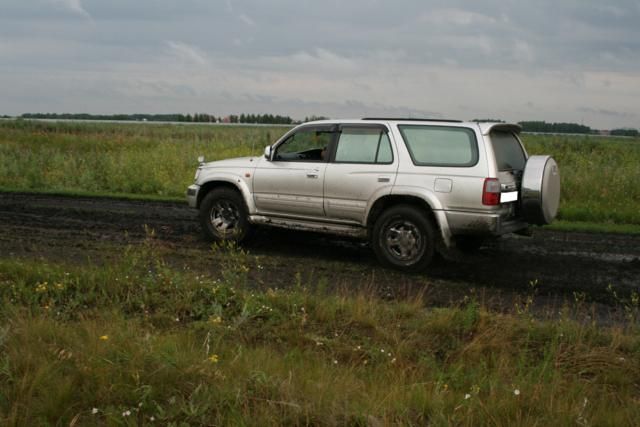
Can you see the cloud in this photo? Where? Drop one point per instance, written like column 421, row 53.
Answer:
column 247, row 20
column 605, row 112
column 444, row 17
column 74, row 6
column 188, row 53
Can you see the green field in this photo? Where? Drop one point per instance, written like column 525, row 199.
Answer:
column 138, row 342
column 133, row 339
column 600, row 176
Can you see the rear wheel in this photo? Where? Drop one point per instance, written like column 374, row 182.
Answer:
column 224, row 216
column 403, row 237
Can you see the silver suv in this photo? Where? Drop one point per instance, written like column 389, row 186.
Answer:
column 411, row 187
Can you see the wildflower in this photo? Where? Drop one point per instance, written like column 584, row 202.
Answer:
column 393, row 360
column 152, row 418
column 516, row 392
column 335, row 362
column 213, row 358
column 59, row 286
column 104, row 337
column 467, row 396
column 126, row 413
column 94, row 411
column 215, row 320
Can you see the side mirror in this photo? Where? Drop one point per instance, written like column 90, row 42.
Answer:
column 267, row 152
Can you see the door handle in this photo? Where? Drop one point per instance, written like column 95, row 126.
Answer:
column 313, row 173
column 384, row 179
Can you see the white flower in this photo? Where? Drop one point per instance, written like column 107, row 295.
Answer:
column 152, row 418
column 94, row 411
column 516, row 392
column 126, row 413
column 467, row 396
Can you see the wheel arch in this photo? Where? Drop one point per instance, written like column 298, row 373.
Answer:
column 430, row 207
column 227, row 182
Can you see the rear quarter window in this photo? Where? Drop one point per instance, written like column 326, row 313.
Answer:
column 440, row 145
column 508, row 151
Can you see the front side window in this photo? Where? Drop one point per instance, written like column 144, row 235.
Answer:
column 363, row 145
column 440, row 145
column 305, row 145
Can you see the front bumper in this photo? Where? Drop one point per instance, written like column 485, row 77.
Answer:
column 192, row 195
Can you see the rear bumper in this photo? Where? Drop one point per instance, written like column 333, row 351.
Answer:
column 482, row 223
column 192, row 195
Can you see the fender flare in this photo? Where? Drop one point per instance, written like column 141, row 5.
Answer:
column 426, row 196
column 234, row 180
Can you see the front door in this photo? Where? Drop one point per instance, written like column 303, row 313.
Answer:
column 292, row 182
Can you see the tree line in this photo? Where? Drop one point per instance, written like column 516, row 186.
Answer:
column 181, row 118
column 527, row 126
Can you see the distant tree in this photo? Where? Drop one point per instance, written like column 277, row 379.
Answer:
column 314, row 118
column 625, row 132
column 542, row 126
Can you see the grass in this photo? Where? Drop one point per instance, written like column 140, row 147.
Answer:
column 137, row 340
column 599, row 175
column 109, row 158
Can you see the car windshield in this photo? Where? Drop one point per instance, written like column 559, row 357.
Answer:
column 508, row 151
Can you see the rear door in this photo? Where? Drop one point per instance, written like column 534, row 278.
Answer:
column 510, row 161
column 362, row 168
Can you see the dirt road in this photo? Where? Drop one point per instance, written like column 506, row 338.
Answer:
column 563, row 264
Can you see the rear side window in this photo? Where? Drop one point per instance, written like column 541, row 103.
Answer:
column 440, row 145
column 508, row 151
column 363, row 145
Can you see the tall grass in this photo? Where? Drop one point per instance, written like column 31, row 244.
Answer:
column 139, row 341
column 115, row 158
column 599, row 175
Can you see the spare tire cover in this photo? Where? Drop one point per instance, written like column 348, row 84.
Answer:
column 540, row 190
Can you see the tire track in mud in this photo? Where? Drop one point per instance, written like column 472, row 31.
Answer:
column 561, row 263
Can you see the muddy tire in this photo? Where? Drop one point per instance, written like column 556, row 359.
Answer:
column 403, row 237
column 224, row 216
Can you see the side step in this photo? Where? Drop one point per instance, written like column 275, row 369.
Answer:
column 318, row 227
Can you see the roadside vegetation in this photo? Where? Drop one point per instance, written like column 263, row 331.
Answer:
column 599, row 175
column 139, row 342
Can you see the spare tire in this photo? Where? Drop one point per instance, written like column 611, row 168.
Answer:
column 540, row 193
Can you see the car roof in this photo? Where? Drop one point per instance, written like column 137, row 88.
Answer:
column 485, row 127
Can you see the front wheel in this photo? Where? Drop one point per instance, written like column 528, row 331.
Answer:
column 403, row 237
column 224, row 216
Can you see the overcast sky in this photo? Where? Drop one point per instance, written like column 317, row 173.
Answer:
column 553, row 60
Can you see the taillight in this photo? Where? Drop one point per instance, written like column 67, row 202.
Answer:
column 491, row 192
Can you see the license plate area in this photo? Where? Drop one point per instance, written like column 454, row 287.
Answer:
column 507, row 197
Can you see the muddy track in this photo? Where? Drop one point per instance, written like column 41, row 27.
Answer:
column 561, row 263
